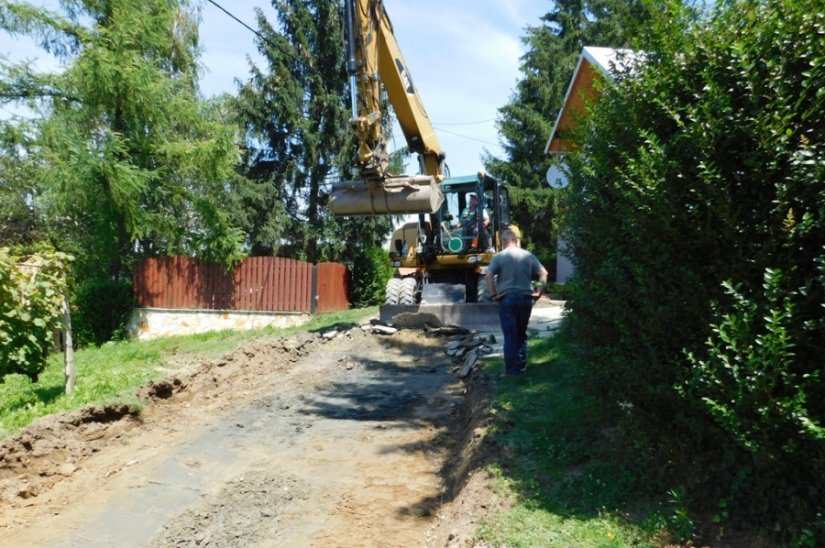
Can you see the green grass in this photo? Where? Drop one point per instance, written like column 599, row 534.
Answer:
column 565, row 471
column 112, row 372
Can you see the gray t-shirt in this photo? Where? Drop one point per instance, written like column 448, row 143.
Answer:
column 515, row 268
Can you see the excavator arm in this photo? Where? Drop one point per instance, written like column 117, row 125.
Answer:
column 374, row 60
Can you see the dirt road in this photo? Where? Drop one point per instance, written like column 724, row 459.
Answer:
column 347, row 438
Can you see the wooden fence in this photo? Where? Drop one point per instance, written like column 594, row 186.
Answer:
column 257, row 284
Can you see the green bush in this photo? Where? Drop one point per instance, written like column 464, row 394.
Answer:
column 100, row 311
column 765, row 396
column 31, row 308
column 696, row 215
column 370, row 271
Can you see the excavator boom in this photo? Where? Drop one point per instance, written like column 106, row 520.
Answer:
column 374, row 60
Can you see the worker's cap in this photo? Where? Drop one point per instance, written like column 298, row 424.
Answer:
column 471, row 195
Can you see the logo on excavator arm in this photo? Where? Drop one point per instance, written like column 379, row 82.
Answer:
column 405, row 76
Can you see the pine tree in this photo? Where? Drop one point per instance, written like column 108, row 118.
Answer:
column 526, row 121
column 299, row 139
column 19, row 222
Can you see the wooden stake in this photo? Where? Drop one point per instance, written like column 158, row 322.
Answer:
column 68, row 347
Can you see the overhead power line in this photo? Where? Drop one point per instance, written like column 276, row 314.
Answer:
column 466, row 136
column 233, row 17
column 466, row 123
column 258, row 34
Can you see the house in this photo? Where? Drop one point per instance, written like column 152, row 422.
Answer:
column 595, row 65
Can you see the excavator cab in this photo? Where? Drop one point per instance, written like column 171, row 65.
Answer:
column 441, row 258
column 465, row 221
column 474, row 210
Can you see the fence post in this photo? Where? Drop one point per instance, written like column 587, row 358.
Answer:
column 313, row 297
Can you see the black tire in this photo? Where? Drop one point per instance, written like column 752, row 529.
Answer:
column 393, row 290
column 406, row 294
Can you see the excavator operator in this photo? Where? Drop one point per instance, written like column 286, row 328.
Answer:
column 469, row 220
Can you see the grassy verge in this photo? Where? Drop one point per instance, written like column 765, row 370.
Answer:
column 565, row 472
column 112, row 372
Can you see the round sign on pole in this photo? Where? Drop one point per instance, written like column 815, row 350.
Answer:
column 556, row 178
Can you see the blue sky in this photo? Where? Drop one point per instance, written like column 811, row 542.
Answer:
column 463, row 56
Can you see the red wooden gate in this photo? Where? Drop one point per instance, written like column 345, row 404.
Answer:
column 332, row 287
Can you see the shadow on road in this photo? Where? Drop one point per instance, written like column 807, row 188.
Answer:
column 412, row 384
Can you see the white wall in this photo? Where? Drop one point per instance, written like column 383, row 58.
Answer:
column 564, row 266
column 150, row 323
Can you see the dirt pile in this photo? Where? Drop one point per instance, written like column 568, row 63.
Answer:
column 56, row 446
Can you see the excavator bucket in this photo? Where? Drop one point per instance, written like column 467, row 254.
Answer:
column 395, row 195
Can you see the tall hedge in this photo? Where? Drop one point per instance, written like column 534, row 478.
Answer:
column 696, row 216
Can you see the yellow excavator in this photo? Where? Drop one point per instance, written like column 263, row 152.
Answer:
column 440, row 259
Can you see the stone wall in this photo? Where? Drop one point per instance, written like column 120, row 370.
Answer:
column 150, row 323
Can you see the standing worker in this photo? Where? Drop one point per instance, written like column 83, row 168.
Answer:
column 513, row 290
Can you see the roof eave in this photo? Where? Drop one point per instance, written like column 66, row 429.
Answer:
column 595, row 57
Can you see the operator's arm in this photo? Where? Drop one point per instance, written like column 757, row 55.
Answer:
column 464, row 214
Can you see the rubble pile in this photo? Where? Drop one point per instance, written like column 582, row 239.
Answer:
column 465, row 346
column 468, row 348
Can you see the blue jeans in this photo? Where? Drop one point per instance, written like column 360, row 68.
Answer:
column 514, row 313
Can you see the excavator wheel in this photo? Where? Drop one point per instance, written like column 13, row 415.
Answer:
column 482, row 293
column 391, row 296
column 407, row 292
